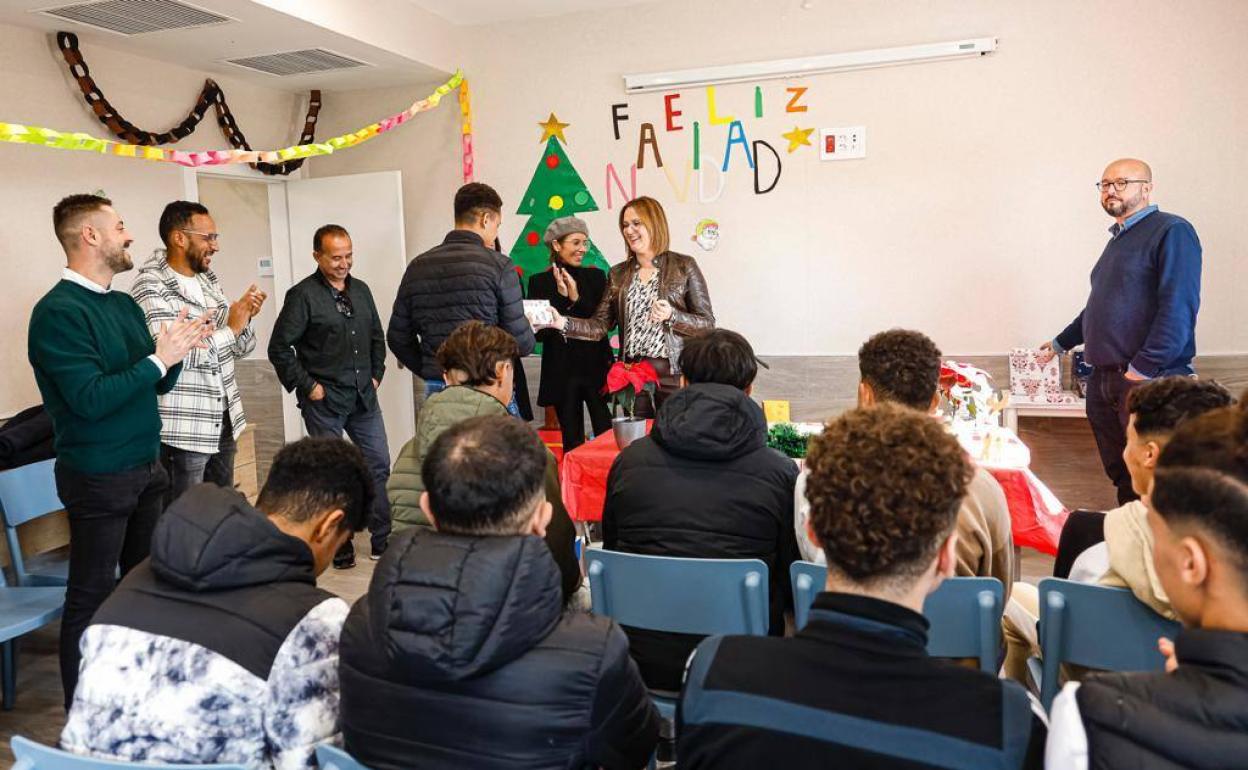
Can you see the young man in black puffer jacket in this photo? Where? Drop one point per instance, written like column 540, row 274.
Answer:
column 461, row 655
column 1196, row 714
column 704, row 484
column 461, row 279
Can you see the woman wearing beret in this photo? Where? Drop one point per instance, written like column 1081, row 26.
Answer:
column 573, row 370
column 656, row 296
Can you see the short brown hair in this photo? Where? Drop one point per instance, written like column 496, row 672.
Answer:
column 901, row 365
column 325, row 231
column 650, row 212
column 475, row 348
column 68, row 214
column 884, row 488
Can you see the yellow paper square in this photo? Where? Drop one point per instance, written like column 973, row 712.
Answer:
column 776, row 411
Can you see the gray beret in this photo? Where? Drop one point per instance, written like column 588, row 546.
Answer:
column 564, row 226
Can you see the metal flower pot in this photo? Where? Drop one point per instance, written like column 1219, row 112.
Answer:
column 627, row 430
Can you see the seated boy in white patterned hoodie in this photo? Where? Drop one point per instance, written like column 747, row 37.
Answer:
column 220, row 648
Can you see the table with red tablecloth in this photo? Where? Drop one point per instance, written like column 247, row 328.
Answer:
column 1036, row 515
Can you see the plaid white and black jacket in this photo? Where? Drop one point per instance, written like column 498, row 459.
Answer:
column 190, row 414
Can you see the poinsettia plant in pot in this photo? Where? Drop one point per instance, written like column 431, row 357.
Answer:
column 624, row 383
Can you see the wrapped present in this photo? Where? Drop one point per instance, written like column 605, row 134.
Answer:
column 538, row 312
column 1080, row 371
column 1034, row 381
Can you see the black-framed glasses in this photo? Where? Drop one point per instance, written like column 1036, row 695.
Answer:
column 1118, row 184
column 210, row 237
column 343, row 303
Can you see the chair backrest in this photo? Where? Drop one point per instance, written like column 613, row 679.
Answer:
column 964, row 613
column 1097, row 627
column 331, row 757
column 691, row 596
column 26, row 493
column 36, row 756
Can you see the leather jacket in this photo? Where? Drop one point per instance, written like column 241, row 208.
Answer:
column 680, row 283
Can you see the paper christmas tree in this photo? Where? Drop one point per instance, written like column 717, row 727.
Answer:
column 556, row 190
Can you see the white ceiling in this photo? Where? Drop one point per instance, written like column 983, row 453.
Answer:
column 256, row 30
column 472, row 12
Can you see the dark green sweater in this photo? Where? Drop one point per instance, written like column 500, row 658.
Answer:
column 89, row 352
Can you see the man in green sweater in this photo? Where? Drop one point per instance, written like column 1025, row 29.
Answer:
column 99, row 372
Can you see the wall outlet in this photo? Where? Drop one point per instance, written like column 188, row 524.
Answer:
column 849, row 143
column 264, row 267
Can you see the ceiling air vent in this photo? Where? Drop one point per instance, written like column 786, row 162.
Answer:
column 298, row 62
column 135, row 17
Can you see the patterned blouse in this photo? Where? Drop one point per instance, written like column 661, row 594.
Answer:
column 646, row 339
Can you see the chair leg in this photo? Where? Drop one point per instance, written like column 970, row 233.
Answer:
column 8, row 662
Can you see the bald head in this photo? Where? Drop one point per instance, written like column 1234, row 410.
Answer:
column 1126, row 187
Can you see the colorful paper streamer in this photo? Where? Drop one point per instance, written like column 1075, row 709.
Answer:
column 62, row 140
column 465, row 111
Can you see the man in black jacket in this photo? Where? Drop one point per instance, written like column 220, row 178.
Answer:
column 220, row 648
column 1196, row 714
column 704, row 484
column 462, row 279
column 460, row 655
column 855, row 687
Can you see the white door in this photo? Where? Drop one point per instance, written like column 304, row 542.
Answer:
column 370, row 207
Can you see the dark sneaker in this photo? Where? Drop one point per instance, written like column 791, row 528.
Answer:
column 344, row 560
column 377, row 553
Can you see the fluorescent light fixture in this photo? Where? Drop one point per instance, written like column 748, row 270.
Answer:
column 809, row 65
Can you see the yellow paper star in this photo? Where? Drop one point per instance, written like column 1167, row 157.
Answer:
column 797, row 137
column 552, row 127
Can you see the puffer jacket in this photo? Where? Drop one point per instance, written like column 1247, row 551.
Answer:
column 459, row 280
column 680, row 283
column 405, row 486
column 461, row 655
column 218, row 649
column 703, row 484
column 1195, row 717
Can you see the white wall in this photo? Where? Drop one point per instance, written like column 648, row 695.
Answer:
column 974, row 216
column 35, row 89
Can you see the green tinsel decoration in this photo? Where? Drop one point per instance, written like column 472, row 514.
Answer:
column 785, row 438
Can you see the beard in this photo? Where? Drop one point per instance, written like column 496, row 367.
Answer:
column 1115, row 208
column 118, row 259
column 197, row 260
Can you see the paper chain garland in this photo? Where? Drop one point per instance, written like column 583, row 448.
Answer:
column 47, row 137
column 465, row 110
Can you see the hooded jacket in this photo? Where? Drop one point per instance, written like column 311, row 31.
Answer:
column 703, row 484
column 460, row 656
column 218, row 649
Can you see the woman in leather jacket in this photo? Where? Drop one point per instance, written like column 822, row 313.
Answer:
column 657, row 298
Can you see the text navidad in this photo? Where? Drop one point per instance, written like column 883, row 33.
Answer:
column 678, row 132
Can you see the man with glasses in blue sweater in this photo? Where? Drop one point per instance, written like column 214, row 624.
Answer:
column 1140, row 318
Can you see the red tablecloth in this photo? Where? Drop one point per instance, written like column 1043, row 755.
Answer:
column 1036, row 516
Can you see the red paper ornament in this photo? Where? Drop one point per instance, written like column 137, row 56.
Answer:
column 533, row 238
column 552, row 160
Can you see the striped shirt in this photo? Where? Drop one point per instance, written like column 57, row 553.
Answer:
column 191, row 413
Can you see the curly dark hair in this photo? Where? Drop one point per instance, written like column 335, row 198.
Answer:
column 178, row 215
column 475, row 348
column 901, row 365
column 1202, row 478
column 313, row 475
column 884, row 488
column 1161, row 405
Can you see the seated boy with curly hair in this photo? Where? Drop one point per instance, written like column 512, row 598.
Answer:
column 855, row 687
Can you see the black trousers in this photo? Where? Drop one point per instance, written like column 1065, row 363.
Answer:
column 111, row 518
column 1108, row 389
column 1083, row 530
column 647, row 406
column 577, row 396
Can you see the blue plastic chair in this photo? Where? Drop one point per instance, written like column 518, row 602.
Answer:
column 964, row 613
column 22, row 610
column 1097, row 627
column 330, row 757
column 36, row 756
column 27, row 493
column 688, row 596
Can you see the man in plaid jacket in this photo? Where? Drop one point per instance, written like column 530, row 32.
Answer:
column 203, row 415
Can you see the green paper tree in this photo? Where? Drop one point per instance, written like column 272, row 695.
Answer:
column 556, row 190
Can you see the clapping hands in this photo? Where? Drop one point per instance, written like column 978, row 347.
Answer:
column 181, row 336
column 565, row 284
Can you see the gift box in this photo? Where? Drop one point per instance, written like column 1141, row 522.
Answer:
column 1034, row 381
column 1080, row 371
column 538, row 311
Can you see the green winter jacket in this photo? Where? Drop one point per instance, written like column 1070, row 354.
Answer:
column 441, row 411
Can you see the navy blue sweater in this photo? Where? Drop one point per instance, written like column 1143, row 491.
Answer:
column 1144, row 300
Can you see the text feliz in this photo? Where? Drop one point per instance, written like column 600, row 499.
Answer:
column 675, row 106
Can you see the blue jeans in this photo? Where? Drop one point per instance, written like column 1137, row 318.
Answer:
column 367, row 431
column 437, row 386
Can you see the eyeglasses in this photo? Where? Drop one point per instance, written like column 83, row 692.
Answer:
column 1117, row 184
column 210, row 237
column 343, row 303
